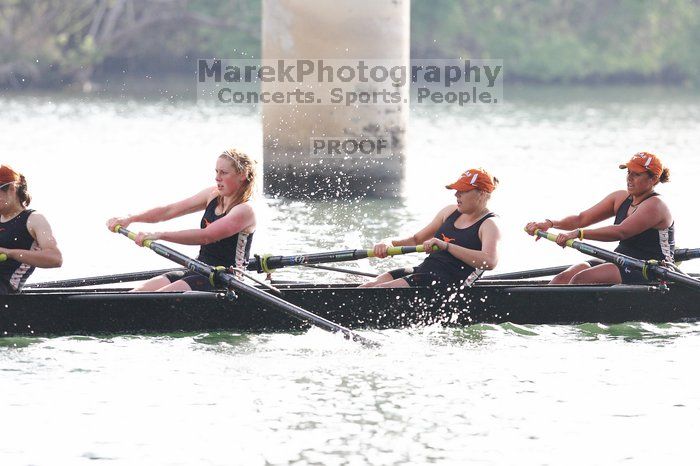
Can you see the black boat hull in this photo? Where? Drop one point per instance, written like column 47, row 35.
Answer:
column 94, row 312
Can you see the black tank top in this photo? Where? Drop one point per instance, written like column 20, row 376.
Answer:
column 14, row 235
column 465, row 237
column 231, row 251
column 649, row 244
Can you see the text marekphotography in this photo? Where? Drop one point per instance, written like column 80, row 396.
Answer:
column 349, row 82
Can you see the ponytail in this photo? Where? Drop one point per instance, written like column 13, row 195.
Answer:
column 22, row 193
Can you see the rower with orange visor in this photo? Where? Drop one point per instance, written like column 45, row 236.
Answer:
column 461, row 241
column 643, row 225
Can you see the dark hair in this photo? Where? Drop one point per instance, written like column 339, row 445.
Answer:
column 24, row 197
column 665, row 176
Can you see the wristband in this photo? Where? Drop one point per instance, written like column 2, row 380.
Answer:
column 551, row 223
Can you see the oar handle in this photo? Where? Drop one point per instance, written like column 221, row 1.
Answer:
column 398, row 250
column 552, row 237
column 3, row 257
column 268, row 263
column 131, row 235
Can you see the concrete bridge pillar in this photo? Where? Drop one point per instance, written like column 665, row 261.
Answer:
column 339, row 32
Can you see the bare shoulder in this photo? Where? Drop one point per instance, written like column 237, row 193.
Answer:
column 619, row 194
column 490, row 225
column 36, row 219
column 210, row 194
column 245, row 208
column 617, row 198
column 242, row 213
column 447, row 211
column 656, row 203
column 489, row 233
column 243, row 216
column 38, row 226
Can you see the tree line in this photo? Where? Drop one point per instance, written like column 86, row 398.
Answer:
column 54, row 43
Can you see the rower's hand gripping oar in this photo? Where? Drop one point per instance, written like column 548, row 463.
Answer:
column 220, row 274
column 650, row 268
column 268, row 263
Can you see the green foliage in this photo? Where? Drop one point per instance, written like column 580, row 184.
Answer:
column 566, row 41
column 50, row 41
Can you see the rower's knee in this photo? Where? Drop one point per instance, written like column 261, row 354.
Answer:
column 383, row 278
column 580, row 279
column 178, row 285
column 601, row 274
column 154, row 284
column 398, row 283
column 566, row 277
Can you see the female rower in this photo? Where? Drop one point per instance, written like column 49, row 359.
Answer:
column 226, row 229
column 465, row 234
column 643, row 225
column 26, row 240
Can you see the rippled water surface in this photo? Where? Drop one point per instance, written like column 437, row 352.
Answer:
column 506, row 394
column 586, row 394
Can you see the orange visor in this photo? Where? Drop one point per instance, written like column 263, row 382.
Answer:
column 644, row 162
column 474, row 178
column 7, row 175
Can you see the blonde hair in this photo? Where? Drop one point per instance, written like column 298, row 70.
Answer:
column 243, row 164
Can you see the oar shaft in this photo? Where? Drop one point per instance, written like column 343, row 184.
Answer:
column 341, row 270
column 680, row 255
column 255, row 293
column 102, row 279
column 267, row 264
column 621, row 260
column 535, row 273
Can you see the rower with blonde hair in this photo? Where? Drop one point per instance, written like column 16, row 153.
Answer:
column 226, row 229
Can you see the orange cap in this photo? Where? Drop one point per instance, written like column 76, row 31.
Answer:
column 8, row 175
column 474, row 178
column 644, row 162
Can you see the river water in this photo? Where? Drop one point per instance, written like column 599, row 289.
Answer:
column 587, row 394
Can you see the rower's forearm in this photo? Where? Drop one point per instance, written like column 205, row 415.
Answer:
column 42, row 258
column 405, row 242
column 188, row 237
column 155, row 215
column 609, row 233
column 567, row 223
column 477, row 259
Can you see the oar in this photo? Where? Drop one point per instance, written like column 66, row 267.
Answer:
column 268, row 263
column 103, row 279
column 524, row 274
column 648, row 268
column 679, row 255
column 219, row 274
column 342, row 270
